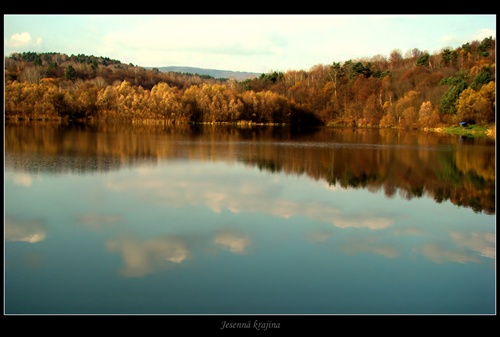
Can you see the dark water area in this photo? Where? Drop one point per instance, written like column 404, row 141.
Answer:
column 214, row 219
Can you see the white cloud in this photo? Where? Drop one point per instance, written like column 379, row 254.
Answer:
column 30, row 231
column 440, row 254
column 23, row 40
column 368, row 222
column 143, row 257
column 482, row 243
column 485, row 33
column 453, row 41
column 234, row 242
column 181, row 188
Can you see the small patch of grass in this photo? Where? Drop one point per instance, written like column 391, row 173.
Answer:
column 469, row 131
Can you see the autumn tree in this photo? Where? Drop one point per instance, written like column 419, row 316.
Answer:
column 364, row 88
column 395, row 59
column 372, row 112
column 477, row 107
column 32, row 101
column 428, row 116
column 164, row 101
column 265, row 107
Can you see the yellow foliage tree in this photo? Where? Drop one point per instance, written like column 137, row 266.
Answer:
column 477, row 106
column 409, row 100
column 165, row 102
column 106, row 100
column 428, row 117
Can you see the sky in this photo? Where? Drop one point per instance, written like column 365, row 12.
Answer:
column 250, row 43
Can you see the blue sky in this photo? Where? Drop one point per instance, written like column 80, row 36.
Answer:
column 255, row 43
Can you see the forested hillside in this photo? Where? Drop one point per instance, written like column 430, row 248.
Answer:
column 410, row 90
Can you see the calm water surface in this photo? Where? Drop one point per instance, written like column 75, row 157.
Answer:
column 217, row 220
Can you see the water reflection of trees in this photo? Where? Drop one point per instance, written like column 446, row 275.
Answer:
column 410, row 163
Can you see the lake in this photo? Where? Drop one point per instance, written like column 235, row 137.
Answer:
column 212, row 219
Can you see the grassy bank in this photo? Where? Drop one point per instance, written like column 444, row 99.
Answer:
column 471, row 130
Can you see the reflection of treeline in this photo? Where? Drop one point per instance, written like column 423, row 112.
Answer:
column 410, row 163
column 396, row 163
column 46, row 147
column 414, row 90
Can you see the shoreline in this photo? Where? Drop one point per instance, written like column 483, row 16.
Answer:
column 472, row 131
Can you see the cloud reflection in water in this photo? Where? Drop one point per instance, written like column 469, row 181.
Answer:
column 31, row 231
column 143, row 257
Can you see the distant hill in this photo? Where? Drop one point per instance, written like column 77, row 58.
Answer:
column 237, row 75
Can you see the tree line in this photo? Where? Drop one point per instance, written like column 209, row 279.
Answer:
column 414, row 90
